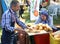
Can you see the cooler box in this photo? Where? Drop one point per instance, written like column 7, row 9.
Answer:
column 40, row 38
column 53, row 40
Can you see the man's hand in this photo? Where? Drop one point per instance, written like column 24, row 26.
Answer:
column 17, row 30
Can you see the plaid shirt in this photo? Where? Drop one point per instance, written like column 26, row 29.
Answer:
column 8, row 17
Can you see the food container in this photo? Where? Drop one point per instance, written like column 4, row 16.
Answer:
column 53, row 40
column 40, row 38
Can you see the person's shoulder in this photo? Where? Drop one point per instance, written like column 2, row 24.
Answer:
column 38, row 19
column 6, row 12
column 49, row 17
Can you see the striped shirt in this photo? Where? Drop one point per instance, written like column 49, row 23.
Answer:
column 8, row 17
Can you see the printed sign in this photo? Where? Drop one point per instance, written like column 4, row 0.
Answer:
column 34, row 9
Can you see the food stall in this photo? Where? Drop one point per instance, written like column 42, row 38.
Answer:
column 42, row 34
column 39, row 34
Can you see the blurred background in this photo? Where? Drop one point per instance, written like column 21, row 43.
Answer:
column 28, row 7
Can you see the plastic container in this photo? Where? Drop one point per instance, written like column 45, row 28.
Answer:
column 53, row 40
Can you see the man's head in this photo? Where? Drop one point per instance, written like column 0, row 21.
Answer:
column 44, row 15
column 15, row 6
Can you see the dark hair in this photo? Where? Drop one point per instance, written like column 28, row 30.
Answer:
column 14, row 2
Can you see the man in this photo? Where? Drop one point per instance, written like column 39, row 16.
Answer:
column 8, row 20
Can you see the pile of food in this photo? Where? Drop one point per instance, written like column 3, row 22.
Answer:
column 38, row 28
column 56, row 35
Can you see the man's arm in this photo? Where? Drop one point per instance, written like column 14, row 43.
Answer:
column 20, row 23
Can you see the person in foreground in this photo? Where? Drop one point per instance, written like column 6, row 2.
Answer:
column 8, row 20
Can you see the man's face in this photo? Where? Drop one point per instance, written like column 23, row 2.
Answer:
column 17, row 7
column 43, row 17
